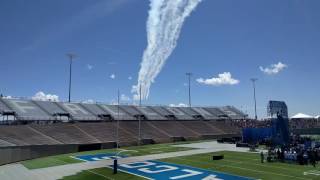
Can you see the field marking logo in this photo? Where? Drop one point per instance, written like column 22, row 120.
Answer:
column 160, row 170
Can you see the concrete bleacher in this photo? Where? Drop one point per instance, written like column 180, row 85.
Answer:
column 132, row 111
column 49, row 128
column 163, row 112
column 225, row 126
column 232, row 112
column 217, row 112
column 97, row 123
column 3, row 107
column 179, row 114
column 204, row 113
column 97, row 111
column 116, row 112
column 201, row 127
column 174, row 129
column 150, row 114
column 27, row 110
column 147, row 130
column 4, row 143
column 104, row 132
column 65, row 133
column 53, row 109
column 77, row 112
column 194, row 114
column 24, row 135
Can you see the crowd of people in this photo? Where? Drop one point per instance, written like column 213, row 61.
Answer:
column 304, row 123
column 301, row 151
column 302, row 157
column 293, row 123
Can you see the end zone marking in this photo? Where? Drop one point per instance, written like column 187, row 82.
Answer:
column 97, row 157
column 162, row 170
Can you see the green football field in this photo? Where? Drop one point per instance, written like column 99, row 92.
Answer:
column 242, row 164
column 67, row 159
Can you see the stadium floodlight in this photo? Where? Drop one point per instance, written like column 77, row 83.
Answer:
column 71, row 56
column 254, row 97
column 189, row 86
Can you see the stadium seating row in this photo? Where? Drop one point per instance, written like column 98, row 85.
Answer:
column 28, row 110
column 104, row 132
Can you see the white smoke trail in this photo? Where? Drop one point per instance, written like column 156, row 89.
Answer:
column 164, row 24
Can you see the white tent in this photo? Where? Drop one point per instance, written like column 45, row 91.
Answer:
column 317, row 117
column 302, row 116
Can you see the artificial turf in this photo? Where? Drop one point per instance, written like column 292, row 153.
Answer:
column 236, row 163
column 67, row 159
column 102, row 174
column 248, row 165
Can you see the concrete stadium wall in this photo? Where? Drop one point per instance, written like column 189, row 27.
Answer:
column 20, row 153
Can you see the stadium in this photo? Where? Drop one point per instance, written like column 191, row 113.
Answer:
column 61, row 140
column 159, row 90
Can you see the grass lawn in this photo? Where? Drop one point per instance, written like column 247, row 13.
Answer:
column 66, row 159
column 248, row 165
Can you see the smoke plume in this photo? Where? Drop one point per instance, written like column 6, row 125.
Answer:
column 166, row 18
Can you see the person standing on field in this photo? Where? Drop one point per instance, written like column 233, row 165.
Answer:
column 262, row 157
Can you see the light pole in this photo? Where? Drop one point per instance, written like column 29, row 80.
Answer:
column 189, row 86
column 118, row 114
column 254, row 96
column 71, row 58
column 139, row 138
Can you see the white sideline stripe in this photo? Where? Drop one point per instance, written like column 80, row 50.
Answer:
column 98, row 174
column 78, row 158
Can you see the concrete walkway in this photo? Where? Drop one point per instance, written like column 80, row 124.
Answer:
column 18, row 171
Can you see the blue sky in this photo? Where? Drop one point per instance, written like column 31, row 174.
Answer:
column 110, row 36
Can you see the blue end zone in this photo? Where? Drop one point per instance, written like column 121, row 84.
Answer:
column 98, row 157
column 161, row 170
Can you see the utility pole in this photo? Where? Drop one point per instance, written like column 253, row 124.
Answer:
column 189, row 87
column 254, row 96
column 71, row 58
column 139, row 139
column 118, row 114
